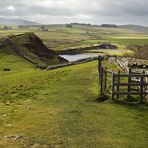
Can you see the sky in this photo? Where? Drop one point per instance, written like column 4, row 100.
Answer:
column 82, row 11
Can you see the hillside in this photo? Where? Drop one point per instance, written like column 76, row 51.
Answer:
column 137, row 28
column 29, row 48
column 4, row 21
column 57, row 109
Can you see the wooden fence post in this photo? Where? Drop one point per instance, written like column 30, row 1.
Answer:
column 105, row 79
column 101, row 70
column 129, row 82
column 101, row 82
column 141, row 88
column 113, row 86
column 118, row 87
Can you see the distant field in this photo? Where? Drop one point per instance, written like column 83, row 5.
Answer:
column 60, row 37
column 130, row 41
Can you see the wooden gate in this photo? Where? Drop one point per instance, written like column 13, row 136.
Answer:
column 119, row 85
column 130, row 85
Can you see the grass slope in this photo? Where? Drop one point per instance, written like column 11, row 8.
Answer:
column 29, row 47
column 137, row 28
column 5, row 21
column 58, row 109
column 10, row 60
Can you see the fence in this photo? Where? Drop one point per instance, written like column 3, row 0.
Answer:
column 118, row 85
column 129, row 85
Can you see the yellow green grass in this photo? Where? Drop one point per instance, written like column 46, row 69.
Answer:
column 58, row 109
column 113, row 52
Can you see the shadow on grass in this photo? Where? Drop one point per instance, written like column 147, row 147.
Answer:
column 140, row 106
column 102, row 98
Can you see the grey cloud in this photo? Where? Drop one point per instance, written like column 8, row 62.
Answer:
column 92, row 11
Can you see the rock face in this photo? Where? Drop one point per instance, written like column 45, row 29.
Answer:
column 36, row 46
column 31, row 48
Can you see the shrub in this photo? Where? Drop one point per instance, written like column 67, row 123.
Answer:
column 6, row 69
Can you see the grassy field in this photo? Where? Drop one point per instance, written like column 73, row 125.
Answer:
column 58, row 109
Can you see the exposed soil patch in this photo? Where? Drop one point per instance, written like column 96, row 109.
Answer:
column 36, row 46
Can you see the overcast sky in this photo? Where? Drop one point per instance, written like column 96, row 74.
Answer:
column 83, row 11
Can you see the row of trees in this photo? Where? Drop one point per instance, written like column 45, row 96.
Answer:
column 6, row 28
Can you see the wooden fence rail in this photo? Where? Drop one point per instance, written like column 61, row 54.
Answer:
column 140, row 90
column 117, row 84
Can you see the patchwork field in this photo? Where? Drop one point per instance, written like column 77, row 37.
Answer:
column 61, row 37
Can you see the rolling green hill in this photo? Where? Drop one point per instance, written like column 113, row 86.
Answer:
column 137, row 28
column 4, row 21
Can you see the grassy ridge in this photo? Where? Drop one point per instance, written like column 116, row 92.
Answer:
column 58, row 109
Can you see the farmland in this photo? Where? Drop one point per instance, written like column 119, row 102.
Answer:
column 61, row 37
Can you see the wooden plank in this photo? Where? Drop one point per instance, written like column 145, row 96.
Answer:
column 118, row 86
column 101, row 81
column 141, row 88
column 130, row 93
column 100, row 69
column 137, row 73
column 134, row 89
column 129, row 82
column 132, row 75
column 113, row 93
column 132, row 84
column 105, row 79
